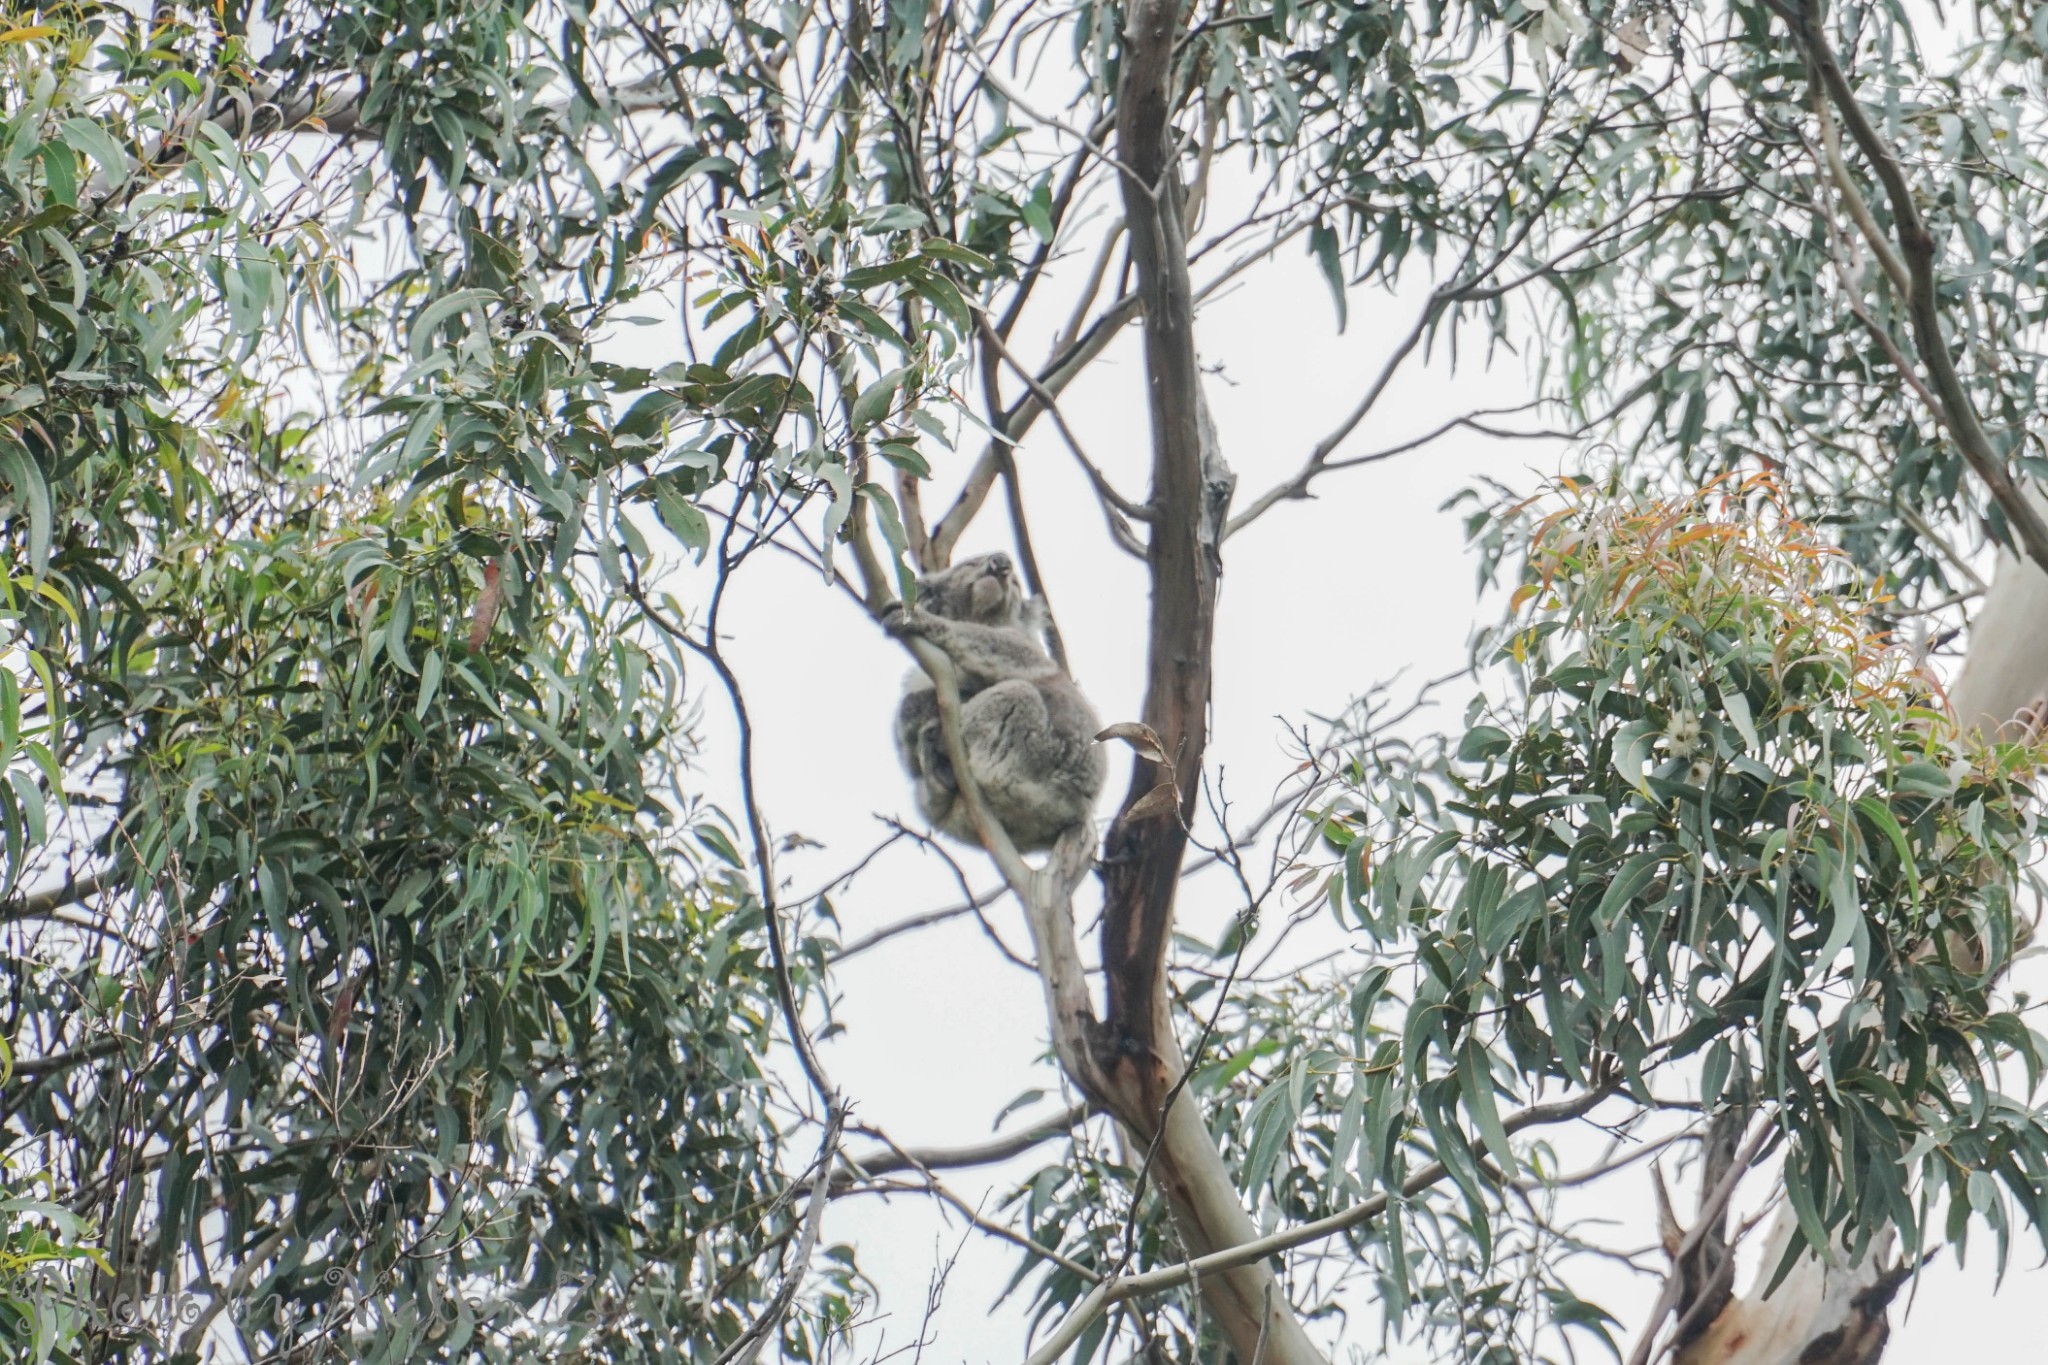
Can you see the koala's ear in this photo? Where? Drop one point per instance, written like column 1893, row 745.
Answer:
column 1037, row 614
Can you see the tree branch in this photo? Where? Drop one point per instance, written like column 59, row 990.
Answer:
column 936, row 1189
column 1297, row 487
column 860, row 1166
column 913, row 923
column 1923, row 305
column 1859, row 210
column 1190, row 497
column 31, row 1067
column 1103, row 488
column 1067, row 362
column 746, row 1348
column 42, row 904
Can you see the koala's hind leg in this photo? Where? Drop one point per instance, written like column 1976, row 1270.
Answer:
column 939, row 801
column 934, row 764
column 1037, row 768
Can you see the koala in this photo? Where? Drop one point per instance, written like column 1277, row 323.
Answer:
column 1028, row 731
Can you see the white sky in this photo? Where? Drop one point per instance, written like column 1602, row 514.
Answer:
column 1320, row 601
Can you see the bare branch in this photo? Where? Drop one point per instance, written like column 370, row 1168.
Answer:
column 936, row 1189
column 1090, row 289
column 1089, row 138
column 913, row 923
column 1859, row 211
column 857, row 1167
column 746, row 1348
column 946, row 534
column 1067, row 362
column 1115, row 506
column 1062, row 201
column 1103, row 488
column 27, row 1067
column 988, row 930
column 1297, row 487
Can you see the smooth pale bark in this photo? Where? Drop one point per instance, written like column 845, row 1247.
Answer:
column 2005, row 670
column 1210, row 1215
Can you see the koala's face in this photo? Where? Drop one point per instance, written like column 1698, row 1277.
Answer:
column 984, row 589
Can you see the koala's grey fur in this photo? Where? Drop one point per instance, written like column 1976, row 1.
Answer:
column 1028, row 731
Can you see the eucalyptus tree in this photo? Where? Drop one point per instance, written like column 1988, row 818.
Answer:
column 382, row 986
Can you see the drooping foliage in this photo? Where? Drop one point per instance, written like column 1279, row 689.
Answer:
column 1726, row 822
column 382, row 990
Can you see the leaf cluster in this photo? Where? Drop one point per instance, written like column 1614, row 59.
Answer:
column 1727, row 834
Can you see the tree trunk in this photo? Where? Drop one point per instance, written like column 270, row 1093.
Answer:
column 1247, row 1302
column 1133, row 1062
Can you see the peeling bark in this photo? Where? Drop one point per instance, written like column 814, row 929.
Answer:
column 1820, row 1314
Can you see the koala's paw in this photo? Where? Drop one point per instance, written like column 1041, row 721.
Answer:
column 900, row 620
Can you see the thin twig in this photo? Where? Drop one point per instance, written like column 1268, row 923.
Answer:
column 1103, row 488
column 933, row 846
column 1088, row 140
column 746, row 1348
column 913, row 923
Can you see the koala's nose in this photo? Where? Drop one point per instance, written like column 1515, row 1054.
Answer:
column 999, row 565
